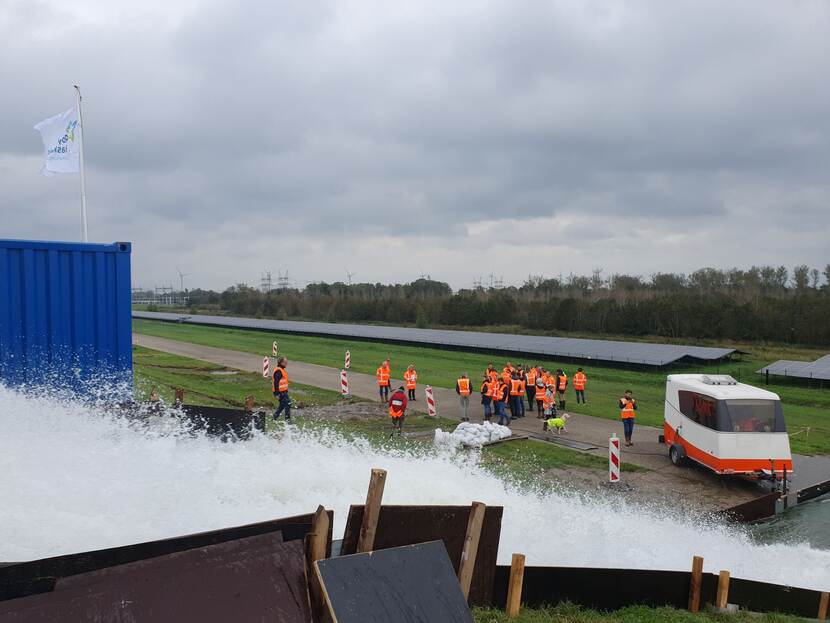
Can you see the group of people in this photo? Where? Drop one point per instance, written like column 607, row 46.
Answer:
column 500, row 392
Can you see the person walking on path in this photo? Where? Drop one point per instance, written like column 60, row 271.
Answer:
column 411, row 378
column 383, row 376
column 279, row 385
column 580, row 380
column 628, row 407
column 397, row 411
column 464, row 389
column 561, row 386
column 487, row 396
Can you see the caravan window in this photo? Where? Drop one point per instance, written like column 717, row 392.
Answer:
column 699, row 408
column 754, row 416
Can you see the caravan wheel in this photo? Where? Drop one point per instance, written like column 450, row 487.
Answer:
column 677, row 455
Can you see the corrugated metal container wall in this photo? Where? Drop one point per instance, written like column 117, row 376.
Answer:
column 65, row 316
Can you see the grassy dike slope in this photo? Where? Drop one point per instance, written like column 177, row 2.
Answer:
column 804, row 408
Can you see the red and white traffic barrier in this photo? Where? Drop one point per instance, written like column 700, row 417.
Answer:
column 344, row 384
column 274, row 349
column 348, row 361
column 266, row 367
column 431, row 410
column 614, row 458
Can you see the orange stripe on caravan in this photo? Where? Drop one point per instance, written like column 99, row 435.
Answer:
column 730, row 466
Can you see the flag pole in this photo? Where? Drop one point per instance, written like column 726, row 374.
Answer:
column 84, row 235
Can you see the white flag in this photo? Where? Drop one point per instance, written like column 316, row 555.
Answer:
column 61, row 143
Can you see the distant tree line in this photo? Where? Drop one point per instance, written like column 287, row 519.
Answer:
column 762, row 303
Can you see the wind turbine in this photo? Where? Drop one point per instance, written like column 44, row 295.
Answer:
column 349, row 276
column 181, row 278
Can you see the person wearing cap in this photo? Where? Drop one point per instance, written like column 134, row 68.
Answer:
column 397, row 410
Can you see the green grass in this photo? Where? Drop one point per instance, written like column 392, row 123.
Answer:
column 522, row 460
column 203, row 386
column 569, row 613
column 804, row 407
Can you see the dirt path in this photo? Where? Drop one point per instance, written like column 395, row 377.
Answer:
column 664, row 481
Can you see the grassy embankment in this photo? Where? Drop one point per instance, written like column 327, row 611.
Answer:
column 568, row 613
column 209, row 384
column 807, row 410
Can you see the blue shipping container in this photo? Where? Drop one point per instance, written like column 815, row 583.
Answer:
column 65, row 316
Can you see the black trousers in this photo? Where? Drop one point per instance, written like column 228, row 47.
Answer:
column 283, row 405
column 580, row 395
column 411, row 394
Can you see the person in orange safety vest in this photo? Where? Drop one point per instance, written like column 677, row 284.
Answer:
column 464, row 388
column 561, row 386
column 384, row 378
column 397, row 410
column 279, row 386
column 628, row 408
column 580, row 380
column 411, row 378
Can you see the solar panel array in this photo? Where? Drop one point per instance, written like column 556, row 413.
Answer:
column 818, row 369
column 639, row 353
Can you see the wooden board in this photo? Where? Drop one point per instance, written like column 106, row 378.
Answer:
column 255, row 579
column 37, row 576
column 410, row 584
column 408, row 525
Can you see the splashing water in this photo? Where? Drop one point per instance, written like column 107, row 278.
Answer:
column 75, row 479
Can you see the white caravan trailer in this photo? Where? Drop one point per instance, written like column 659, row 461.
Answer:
column 730, row 427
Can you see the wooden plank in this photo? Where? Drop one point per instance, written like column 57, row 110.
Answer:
column 697, row 581
column 822, row 606
column 374, row 497
column 318, row 548
column 514, row 588
column 470, row 549
column 410, row 584
column 321, row 529
column 408, row 525
column 723, row 590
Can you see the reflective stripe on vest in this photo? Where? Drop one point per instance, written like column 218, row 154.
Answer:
column 515, row 387
column 464, row 387
column 531, row 377
column 627, row 410
column 563, row 382
column 411, row 379
column 579, row 380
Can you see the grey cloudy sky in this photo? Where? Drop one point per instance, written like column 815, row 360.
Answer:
column 450, row 138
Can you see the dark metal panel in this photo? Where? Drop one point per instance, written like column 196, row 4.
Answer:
column 759, row 508
column 254, row 579
column 65, row 314
column 408, row 525
column 410, row 584
column 26, row 578
column 602, row 589
column 763, row 597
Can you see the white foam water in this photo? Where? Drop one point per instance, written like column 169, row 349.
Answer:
column 73, row 478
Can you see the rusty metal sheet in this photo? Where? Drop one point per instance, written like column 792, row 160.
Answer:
column 37, row 576
column 408, row 525
column 410, row 584
column 259, row 578
column 758, row 508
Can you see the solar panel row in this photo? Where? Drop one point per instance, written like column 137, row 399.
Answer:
column 818, row 369
column 601, row 350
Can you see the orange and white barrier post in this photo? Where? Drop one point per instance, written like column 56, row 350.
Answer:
column 614, row 458
column 344, row 384
column 431, row 410
column 274, row 349
column 266, row 367
column 348, row 361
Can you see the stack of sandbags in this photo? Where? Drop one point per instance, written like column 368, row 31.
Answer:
column 472, row 435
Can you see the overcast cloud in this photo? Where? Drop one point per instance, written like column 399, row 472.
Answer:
column 449, row 138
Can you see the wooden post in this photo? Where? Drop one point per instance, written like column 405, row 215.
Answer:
column 470, row 549
column 179, row 396
column 723, row 590
column 697, row 580
column 249, row 404
column 371, row 512
column 514, row 587
column 822, row 606
column 316, row 546
column 154, row 395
